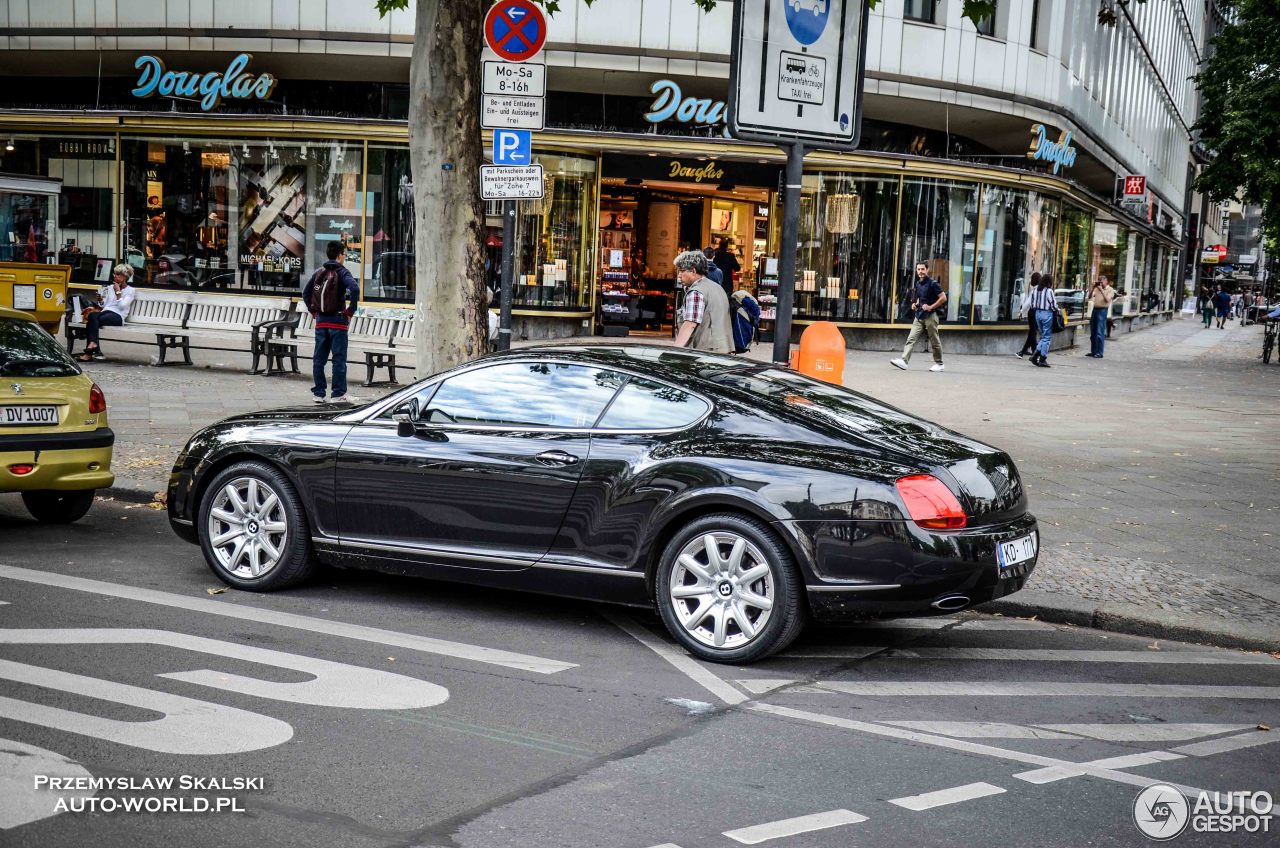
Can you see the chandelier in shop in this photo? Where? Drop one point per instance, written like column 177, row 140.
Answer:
column 843, row 213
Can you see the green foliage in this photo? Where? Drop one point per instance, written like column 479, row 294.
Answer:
column 974, row 10
column 1240, row 91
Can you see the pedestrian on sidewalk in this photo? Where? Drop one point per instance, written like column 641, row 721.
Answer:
column 331, row 296
column 1206, row 306
column 714, row 274
column 704, row 316
column 1222, row 302
column 928, row 298
column 727, row 261
column 1043, row 305
column 746, row 320
column 1025, row 313
column 117, row 300
column 1101, row 296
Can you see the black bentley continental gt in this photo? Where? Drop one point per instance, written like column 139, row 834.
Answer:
column 739, row 498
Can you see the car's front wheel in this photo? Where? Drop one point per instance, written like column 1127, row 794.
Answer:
column 57, row 507
column 728, row 590
column 254, row 529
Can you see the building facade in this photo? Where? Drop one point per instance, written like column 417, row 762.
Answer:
column 989, row 153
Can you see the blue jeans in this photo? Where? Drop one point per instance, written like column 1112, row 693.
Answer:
column 97, row 320
column 1044, row 321
column 330, row 341
column 1098, row 331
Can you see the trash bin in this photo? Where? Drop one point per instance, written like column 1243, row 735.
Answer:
column 821, row 353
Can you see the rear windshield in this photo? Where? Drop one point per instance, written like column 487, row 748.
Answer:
column 26, row 350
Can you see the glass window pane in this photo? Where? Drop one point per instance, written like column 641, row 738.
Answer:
column 919, row 10
column 555, row 238
column 939, row 223
column 525, row 394
column 1020, row 229
column 645, row 405
column 1077, row 244
column 389, row 272
column 845, row 263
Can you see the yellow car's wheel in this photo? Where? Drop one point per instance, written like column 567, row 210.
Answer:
column 57, row 507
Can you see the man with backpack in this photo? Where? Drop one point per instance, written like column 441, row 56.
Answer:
column 746, row 319
column 331, row 296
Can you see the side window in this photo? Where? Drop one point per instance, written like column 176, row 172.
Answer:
column 524, row 394
column 645, row 405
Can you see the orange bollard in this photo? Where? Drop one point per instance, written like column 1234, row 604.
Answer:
column 822, row 352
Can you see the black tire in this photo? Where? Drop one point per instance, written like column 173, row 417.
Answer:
column 296, row 560
column 1268, row 343
column 782, row 586
column 58, row 507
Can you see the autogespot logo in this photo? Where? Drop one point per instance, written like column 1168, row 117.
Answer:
column 1161, row 812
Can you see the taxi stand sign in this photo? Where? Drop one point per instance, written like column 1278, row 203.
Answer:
column 797, row 70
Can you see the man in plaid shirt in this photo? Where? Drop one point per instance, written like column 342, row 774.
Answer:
column 705, row 316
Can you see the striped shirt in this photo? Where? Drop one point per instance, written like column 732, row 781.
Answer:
column 1043, row 299
column 694, row 305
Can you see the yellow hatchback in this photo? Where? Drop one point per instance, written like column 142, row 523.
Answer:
column 55, row 445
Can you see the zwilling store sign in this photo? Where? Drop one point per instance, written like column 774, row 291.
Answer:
column 208, row 88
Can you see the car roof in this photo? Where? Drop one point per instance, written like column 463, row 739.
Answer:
column 6, row 312
column 660, row 361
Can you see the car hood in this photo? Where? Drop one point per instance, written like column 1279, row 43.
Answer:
column 289, row 414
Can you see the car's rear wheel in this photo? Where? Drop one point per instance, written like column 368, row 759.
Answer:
column 728, row 590
column 254, row 530
column 57, row 507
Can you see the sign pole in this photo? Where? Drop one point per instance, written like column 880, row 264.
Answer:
column 508, row 269
column 787, row 254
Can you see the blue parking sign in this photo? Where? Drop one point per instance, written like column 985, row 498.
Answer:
column 512, row 147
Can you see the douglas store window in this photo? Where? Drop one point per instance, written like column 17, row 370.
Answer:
column 249, row 216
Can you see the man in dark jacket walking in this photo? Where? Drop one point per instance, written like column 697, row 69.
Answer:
column 331, row 296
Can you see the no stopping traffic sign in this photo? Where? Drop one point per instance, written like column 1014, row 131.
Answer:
column 515, row 29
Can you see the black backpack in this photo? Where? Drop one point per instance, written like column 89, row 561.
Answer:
column 326, row 292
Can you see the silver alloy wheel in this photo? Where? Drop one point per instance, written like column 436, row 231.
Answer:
column 247, row 527
column 722, row 590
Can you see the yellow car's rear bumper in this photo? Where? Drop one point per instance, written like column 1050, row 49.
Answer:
column 64, row 462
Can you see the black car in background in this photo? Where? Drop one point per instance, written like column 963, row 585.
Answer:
column 739, row 498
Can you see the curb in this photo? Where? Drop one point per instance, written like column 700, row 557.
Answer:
column 1139, row 621
column 130, row 491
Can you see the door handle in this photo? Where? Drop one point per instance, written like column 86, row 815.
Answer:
column 556, row 457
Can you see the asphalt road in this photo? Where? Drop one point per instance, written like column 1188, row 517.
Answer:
column 381, row 711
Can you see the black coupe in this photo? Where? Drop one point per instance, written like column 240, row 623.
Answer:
column 741, row 498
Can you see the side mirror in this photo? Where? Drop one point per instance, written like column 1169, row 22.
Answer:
column 404, row 424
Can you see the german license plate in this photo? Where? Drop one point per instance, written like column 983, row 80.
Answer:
column 1016, row 551
column 11, row 415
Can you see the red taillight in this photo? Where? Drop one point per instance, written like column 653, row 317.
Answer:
column 930, row 503
column 97, row 400
column 22, row 468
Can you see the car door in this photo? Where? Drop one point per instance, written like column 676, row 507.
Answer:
column 486, row 478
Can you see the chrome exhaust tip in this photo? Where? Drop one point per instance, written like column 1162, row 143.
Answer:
column 951, row 603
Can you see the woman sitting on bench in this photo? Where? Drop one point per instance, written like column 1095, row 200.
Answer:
column 116, row 300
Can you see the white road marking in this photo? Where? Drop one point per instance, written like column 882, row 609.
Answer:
column 678, row 658
column 20, row 764
column 1005, row 624
column 756, row 834
column 1145, row 732
column 1229, row 743
column 334, row 684
column 942, row 797
column 908, row 624
column 666, row 845
column 1056, row 773
column 1053, row 655
column 228, row 609
column 185, row 726
column 964, row 746
column 992, row 689
column 980, row 730
column 760, row 686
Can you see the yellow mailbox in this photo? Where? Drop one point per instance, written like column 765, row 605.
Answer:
column 38, row 289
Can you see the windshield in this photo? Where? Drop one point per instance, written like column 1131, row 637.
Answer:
column 26, row 350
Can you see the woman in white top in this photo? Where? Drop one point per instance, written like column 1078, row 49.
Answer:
column 1043, row 304
column 117, row 299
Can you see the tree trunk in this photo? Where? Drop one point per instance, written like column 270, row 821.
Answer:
column 446, row 152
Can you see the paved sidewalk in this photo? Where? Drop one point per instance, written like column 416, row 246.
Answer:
column 1155, row 472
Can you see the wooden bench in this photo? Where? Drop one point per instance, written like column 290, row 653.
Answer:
column 380, row 335
column 183, row 320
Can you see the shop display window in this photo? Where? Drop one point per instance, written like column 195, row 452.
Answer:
column 1076, row 260
column 1019, row 238
column 555, row 259
column 844, row 270
column 389, row 271
column 1110, row 256
column 243, row 216
column 938, row 227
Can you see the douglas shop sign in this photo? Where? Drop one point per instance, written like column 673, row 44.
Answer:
column 209, row 88
column 1058, row 153
column 670, row 103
